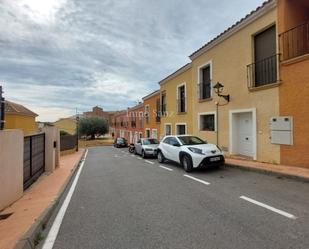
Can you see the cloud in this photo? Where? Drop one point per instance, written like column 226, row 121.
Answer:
column 61, row 54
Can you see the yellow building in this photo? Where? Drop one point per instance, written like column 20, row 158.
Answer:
column 66, row 124
column 19, row 117
column 244, row 59
column 176, row 102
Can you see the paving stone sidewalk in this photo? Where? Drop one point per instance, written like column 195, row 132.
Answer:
column 35, row 201
column 283, row 170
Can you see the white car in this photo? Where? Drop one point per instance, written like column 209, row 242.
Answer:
column 190, row 151
column 146, row 147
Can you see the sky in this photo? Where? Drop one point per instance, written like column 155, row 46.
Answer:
column 57, row 56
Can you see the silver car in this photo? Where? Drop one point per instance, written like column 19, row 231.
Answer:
column 146, row 147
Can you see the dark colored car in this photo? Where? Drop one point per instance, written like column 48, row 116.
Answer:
column 120, row 142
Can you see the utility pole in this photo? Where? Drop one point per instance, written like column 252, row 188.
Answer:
column 77, row 120
column 2, row 111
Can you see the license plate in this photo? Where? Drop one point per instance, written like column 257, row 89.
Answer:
column 214, row 159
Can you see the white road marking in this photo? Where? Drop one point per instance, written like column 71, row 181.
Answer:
column 278, row 211
column 198, row 180
column 163, row 167
column 147, row 161
column 52, row 235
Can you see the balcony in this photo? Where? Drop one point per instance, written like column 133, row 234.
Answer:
column 181, row 105
column 133, row 124
column 163, row 108
column 262, row 73
column 294, row 42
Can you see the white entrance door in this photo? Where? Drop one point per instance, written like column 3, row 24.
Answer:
column 244, row 137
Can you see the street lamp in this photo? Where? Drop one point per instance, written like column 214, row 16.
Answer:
column 77, row 119
column 218, row 90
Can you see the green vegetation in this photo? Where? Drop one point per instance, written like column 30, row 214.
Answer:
column 92, row 127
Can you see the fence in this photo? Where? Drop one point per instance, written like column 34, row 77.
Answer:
column 34, row 158
column 68, row 142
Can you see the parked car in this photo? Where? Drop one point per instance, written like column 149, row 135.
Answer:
column 190, row 151
column 146, row 147
column 120, row 142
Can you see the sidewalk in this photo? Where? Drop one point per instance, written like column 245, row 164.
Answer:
column 282, row 170
column 35, row 200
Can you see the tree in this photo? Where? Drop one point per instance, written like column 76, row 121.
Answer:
column 92, row 126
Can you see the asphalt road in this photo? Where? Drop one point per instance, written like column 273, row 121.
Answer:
column 123, row 201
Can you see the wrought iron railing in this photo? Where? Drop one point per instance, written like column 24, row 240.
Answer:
column 204, row 90
column 263, row 72
column 181, row 105
column 163, row 109
column 294, row 42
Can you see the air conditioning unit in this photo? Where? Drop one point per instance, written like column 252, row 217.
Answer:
column 281, row 129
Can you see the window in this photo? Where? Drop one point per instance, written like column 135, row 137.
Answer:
column 205, row 82
column 168, row 129
column 264, row 69
column 141, row 120
column 147, row 133
column 181, row 129
column 181, row 98
column 154, row 133
column 207, row 122
column 163, row 103
column 147, row 114
column 140, row 135
column 158, row 116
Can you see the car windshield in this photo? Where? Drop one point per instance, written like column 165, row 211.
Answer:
column 120, row 139
column 150, row 141
column 191, row 140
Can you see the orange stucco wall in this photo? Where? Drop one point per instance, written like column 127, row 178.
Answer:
column 292, row 13
column 152, row 102
column 294, row 90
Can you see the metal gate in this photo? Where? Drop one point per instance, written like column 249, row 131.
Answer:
column 34, row 158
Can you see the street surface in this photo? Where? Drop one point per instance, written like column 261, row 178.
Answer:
column 124, row 201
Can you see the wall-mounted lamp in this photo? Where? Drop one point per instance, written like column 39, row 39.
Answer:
column 218, row 90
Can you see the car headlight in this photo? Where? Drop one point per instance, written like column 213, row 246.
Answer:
column 196, row 150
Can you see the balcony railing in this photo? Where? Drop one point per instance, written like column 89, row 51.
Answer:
column 295, row 42
column 263, row 72
column 181, row 105
column 133, row 124
column 204, row 90
column 163, row 109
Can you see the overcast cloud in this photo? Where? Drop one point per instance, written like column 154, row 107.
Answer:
column 56, row 55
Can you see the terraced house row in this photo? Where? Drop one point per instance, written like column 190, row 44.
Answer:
column 246, row 90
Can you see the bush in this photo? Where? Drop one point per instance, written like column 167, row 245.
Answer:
column 92, row 126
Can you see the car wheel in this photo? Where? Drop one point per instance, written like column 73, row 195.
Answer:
column 161, row 158
column 187, row 163
column 143, row 154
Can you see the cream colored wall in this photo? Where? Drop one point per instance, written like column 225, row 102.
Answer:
column 229, row 66
column 173, row 117
column 11, row 166
column 66, row 124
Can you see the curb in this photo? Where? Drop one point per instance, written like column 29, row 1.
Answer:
column 269, row 172
column 33, row 236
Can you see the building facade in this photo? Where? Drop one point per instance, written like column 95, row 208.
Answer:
column 293, row 27
column 19, row 117
column 152, row 115
column 244, row 60
column 176, row 102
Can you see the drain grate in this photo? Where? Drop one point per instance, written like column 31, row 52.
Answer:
column 5, row 216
